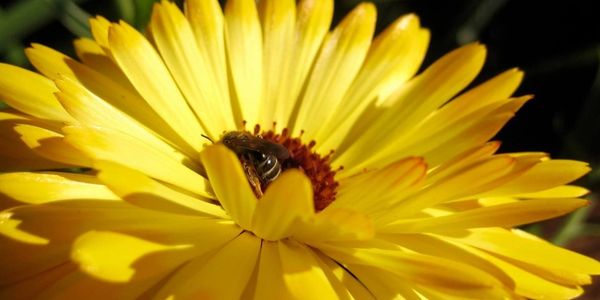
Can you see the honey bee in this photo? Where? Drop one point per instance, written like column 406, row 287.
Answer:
column 261, row 159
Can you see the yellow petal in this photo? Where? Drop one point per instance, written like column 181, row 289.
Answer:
column 529, row 284
column 335, row 224
column 269, row 282
column 471, row 136
column 30, row 93
column 302, row 270
column 245, row 51
column 439, row 247
column 94, row 56
column 503, row 215
column 49, row 62
column 147, row 72
column 45, row 187
column 312, row 24
column 91, row 110
column 16, row 154
column 99, row 27
column 419, row 268
column 230, row 184
column 341, row 274
column 543, row 176
column 385, row 186
column 462, row 160
column 71, row 219
column 78, row 284
column 119, row 94
column 393, row 58
column 9, row 228
column 342, row 54
column 565, row 191
column 287, row 199
column 416, row 99
column 95, row 252
column 535, row 252
column 498, row 88
column 278, row 19
column 468, row 181
column 439, row 138
column 140, row 190
column 207, row 23
column 384, row 285
column 51, row 145
column 109, row 145
column 32, row 287
column 223, row 275
column 172, row 34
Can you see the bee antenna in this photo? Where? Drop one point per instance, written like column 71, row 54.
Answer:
column 206, row 137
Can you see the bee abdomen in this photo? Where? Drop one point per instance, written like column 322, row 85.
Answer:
column 269, row 168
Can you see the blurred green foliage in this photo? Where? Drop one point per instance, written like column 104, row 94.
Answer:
column 20, row 19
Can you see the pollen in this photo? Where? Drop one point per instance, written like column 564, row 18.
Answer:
column 303, row 156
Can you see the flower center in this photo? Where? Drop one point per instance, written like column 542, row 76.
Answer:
column 302, row 156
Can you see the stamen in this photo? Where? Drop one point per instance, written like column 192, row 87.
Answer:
column 303, row 157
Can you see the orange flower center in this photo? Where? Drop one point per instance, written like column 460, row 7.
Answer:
column 301, row 156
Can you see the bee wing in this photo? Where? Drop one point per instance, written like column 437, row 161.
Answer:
column 278, row 150
column 252, row 177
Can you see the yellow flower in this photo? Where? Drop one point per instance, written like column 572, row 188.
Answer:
column 414, row 203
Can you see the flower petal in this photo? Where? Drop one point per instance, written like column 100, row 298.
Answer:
column 468, row 181
column 35, row 188
column 51, row 145
column 302, row 270
column 500, row 87
column 339, row 273
column 438, row 141
column 386, row 185
column 30, row 93
column 229, row 184
column 384, row 285
column 245, row 51
column 287, row 199
column 503, row 215
column 17, row 155
column 565, row 191
column 278, row 20
column 335, row 224
column 95, row 251
column 269, row 282
column 99, row 27
column 91, row 110
column 62, row 222
column 138, row 189
column 531, row 251
column 207, row 23
column 172, row 34
column 342, row 54
column 394, row 57
column 436, row 85
column 312, row 23
column 95, row 57
column 223, row 275
column 32, row 287
column 119, row 94
column 422, row 269
column 109, row 145
column 542, row 176
column 147, row 72
column 529, row 284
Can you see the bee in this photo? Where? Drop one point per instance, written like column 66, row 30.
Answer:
column 260, row 159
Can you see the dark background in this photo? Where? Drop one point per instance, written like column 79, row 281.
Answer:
column 556, row 43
